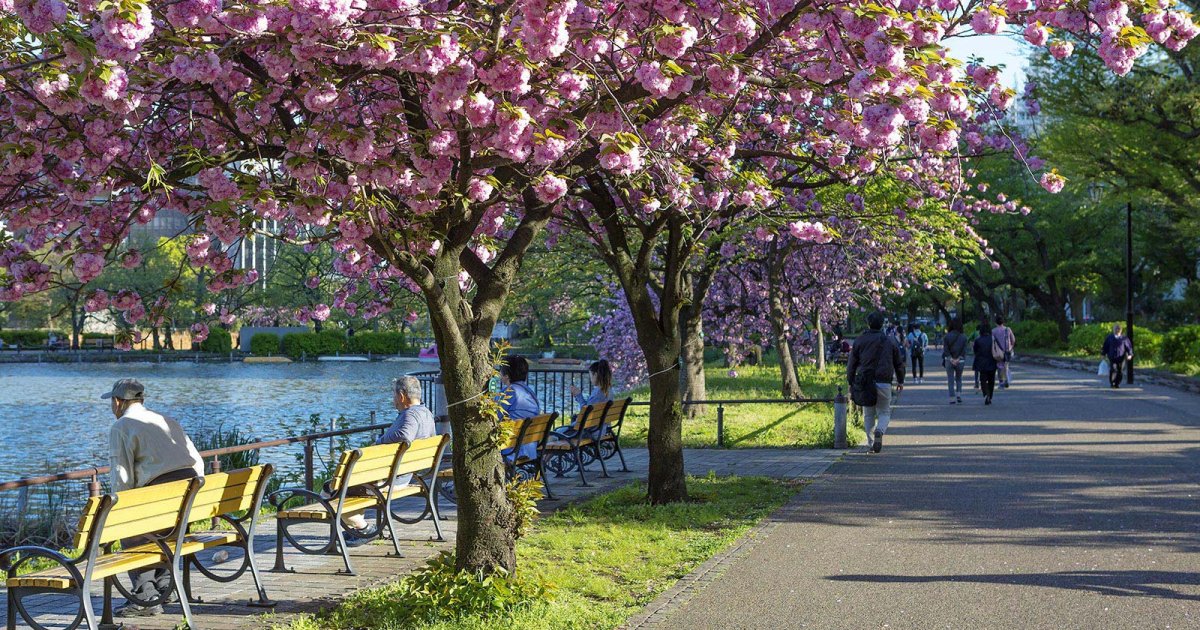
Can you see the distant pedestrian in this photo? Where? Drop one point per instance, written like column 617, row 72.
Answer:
column 1007, row 342
column 146, row 449
column 954, row 358
column 917, row 343
column 1118, row 349
column 985, row 363
column 879, row 359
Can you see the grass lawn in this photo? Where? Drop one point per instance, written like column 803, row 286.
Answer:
column 785, row 425
column 606, row 558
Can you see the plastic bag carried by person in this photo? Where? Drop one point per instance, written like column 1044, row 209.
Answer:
column 1104, row 368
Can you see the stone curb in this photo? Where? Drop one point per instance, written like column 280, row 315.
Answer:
column 1153, row 377
column 699, row 578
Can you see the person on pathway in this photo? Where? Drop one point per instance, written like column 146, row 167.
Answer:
column 985, row 364
column 517, row 400
column 413, row 422
column 1118, row 349
column 879, row 353
column 954, row 358
column 917, row 343
column 1007, row 341
column 146, row 449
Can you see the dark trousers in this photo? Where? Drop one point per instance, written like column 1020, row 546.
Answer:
column 152, row 582
column 918, row 364
column 1116, row 371
column 987, row 380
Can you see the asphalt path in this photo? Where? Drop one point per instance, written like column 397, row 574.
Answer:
column 1065, row 504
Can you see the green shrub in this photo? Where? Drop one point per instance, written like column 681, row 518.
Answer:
column 219, row 341
column 1089, row 339
column 324, row 343
column 28, row 338
column 264, row 344
column 1181, row 345
column 376, row 343
column 1037, row 334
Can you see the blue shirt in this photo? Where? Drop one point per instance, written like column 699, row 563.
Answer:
column 413, row 423
column 519, row 402
column 596, row 397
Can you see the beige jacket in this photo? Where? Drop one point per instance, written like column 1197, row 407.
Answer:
column 145, row 445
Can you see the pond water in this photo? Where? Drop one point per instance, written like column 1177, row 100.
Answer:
column 52, row 417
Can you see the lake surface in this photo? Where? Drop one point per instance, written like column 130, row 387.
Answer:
column 52, row 417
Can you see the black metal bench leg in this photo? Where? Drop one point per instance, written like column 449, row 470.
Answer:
column 433, row 511
column 279, row 566
column 341, row 544
column 600, row 458
column 545, row 480
column 621, row 454
column 579, row 463
column 187, row 581
column 12, row 609
column 106, row 616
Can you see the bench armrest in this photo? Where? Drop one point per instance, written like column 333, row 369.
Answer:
column 283, row 495
column 26, row 553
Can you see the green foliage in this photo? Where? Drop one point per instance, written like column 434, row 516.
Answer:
column 602, row 560
column 224, row 439
column 264, row 344
column 1182, row 345
column 376, row 343
column 28, row 338
column 324, row 343
column 1088, row 340
column 524, row 495
column 219, row 341
column 1037, row 334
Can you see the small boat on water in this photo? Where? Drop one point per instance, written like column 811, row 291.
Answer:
column 428, row 355
column 343, row 359
column 266, row 360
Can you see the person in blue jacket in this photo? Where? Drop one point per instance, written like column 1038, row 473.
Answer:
column 516, row 398
column 601, row 375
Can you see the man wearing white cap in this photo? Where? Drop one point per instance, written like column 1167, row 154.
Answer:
column 147, row 449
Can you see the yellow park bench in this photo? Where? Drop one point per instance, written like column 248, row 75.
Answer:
column 161, row 512
column 596, row 432
column 517, row 464
column 362, row 481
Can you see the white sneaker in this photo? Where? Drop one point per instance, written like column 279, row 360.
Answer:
column 357, row 521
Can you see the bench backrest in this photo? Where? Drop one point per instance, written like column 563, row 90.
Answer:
column 369, row 464
column 535, row 430
column 514, row 432
column 135, row 512
column 614, row 413
column 422, row 454
column 590, row 417
column 228, row 492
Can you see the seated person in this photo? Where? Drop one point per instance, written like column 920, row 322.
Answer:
column 601, row 374
column 146, row 449
column 517, row 400
column 413, row 422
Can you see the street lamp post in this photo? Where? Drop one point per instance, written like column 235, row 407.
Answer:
column 1129, row 280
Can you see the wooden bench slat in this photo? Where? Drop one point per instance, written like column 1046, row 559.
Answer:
column 106, row 565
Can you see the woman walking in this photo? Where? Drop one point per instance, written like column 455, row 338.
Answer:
column 954, row 357
column 1117, row 349
column 985, row 364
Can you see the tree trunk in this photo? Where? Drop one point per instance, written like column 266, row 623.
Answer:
column 154, row 335
column 789, row 385
column 692, row 383
column 78, row 315
column 486, row 538
column 820, row 345
column 666, row 482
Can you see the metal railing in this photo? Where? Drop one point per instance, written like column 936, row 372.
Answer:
column 839, row 399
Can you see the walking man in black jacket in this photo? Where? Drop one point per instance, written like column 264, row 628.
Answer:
column 877, row 352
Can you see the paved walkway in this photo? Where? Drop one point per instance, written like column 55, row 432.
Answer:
column 315, row 585
column 1063, row 505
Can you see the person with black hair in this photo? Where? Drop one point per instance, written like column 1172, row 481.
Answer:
column 985, row 364
column 601, row 375
column 878, row 355
column 516, row 398
column 954, row 358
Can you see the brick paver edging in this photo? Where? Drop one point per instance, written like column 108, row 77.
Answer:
column 699, row 578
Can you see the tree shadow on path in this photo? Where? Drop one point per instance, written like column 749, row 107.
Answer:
column 1121, row 583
